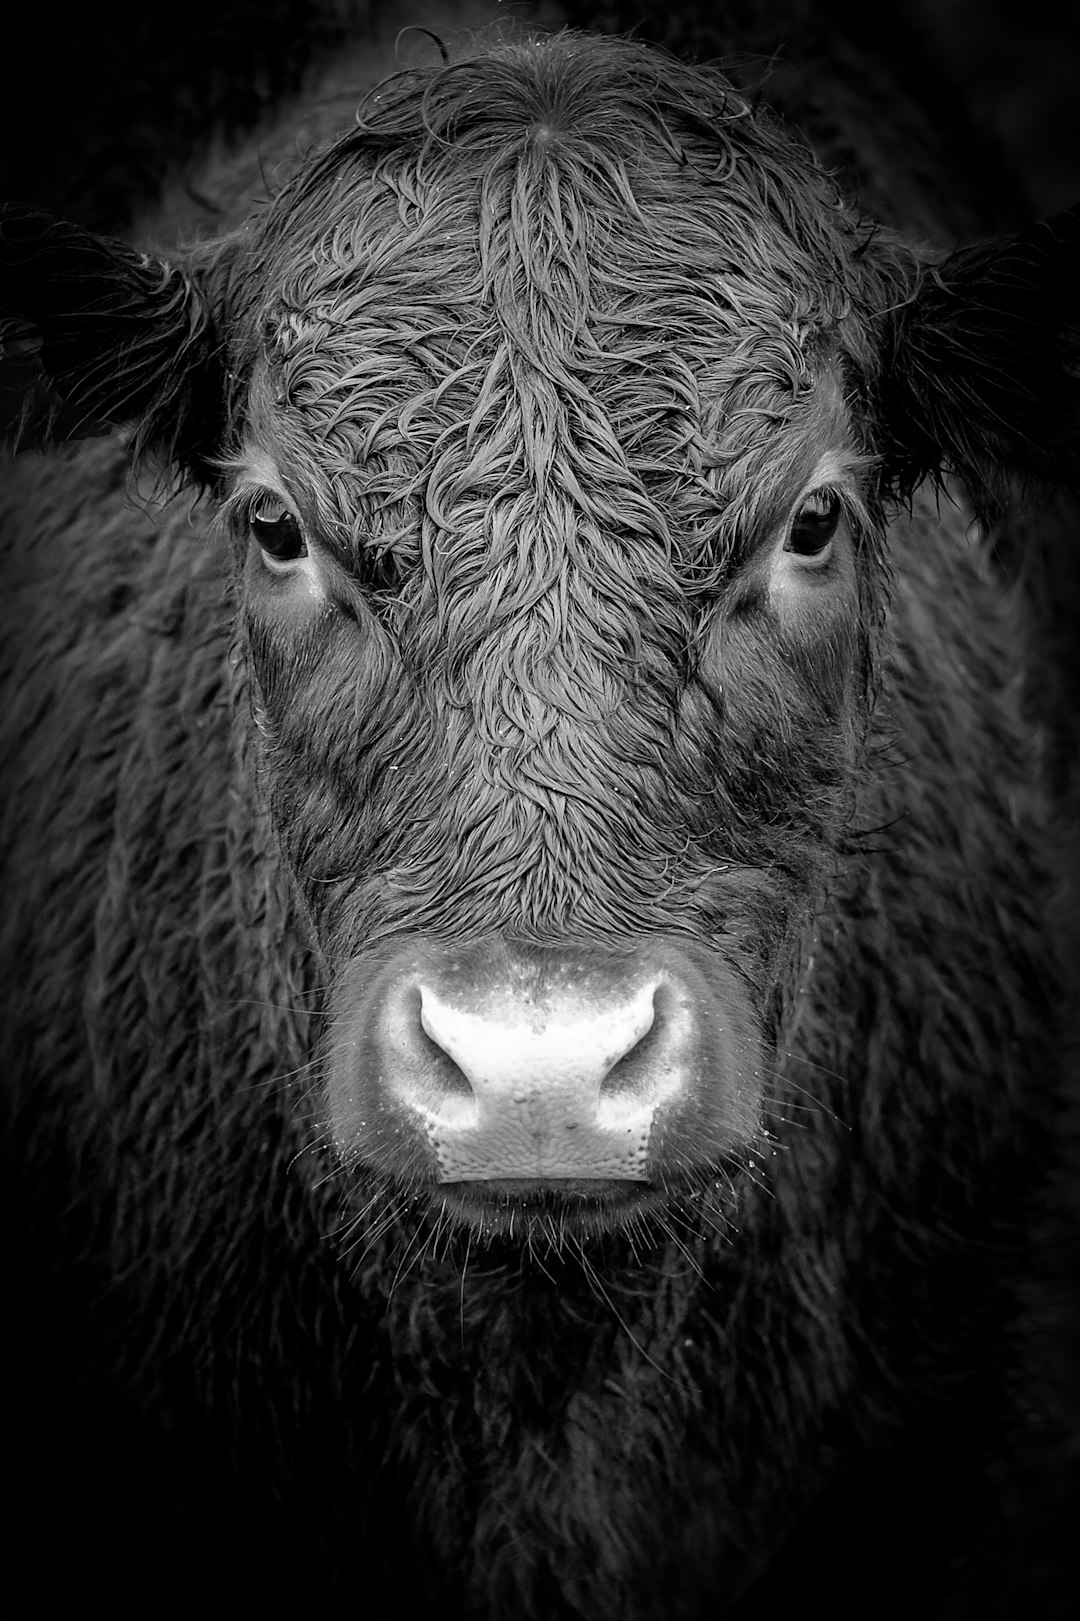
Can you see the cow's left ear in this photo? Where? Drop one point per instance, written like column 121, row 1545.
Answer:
column 981, row 369
column 94, row 334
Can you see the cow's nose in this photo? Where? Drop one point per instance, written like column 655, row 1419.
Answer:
column 534, row 1087
column 541, row 1087
column 485, row 1064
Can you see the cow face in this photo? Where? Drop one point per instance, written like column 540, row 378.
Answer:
column 558, row 559
column 562, row 397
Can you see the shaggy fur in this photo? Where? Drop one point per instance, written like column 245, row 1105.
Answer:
column 544, row 350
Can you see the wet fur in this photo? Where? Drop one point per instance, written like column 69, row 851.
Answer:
column 282, row 1370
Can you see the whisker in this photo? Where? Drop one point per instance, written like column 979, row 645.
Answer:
column 594, row 1281
column 416, row 1243
column 461, row 1284
column 283, row 1077
column 281, row 1007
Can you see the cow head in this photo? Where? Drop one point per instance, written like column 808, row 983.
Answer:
column 552, row 413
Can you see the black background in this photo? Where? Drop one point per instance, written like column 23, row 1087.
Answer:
column 98, row 103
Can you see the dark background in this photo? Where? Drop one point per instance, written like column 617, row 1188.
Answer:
column 99, row 103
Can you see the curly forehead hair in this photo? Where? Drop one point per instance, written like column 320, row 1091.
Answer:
column 570, row 270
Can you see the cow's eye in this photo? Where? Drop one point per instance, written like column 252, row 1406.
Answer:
column 812, row 529
column 276, row 530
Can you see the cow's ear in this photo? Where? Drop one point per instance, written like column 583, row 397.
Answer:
column 95, row 334
column 981, row 372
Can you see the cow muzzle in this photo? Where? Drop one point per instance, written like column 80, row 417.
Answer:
column 530, row 1066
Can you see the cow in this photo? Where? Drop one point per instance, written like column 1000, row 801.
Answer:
column 536, row 1026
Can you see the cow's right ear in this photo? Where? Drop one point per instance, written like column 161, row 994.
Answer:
column 94, row 334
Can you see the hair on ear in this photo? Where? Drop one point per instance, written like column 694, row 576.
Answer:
column 122, row 337
column 981, row 371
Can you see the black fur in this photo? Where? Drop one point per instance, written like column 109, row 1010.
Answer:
column 543, row 352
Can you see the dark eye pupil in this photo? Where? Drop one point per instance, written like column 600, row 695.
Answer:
column 278, row 533
column 815, row 524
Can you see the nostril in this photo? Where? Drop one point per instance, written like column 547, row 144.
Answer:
column 440, row 1034
column 617, row 1063
column 650, row 1071
column 625, row 1075
column 414, row 1065
column 452, row 1078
